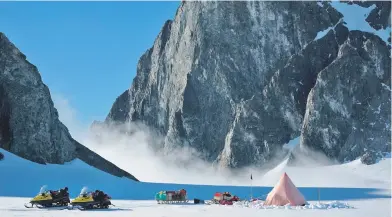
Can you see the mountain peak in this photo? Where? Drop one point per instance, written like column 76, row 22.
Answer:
column 29, row 124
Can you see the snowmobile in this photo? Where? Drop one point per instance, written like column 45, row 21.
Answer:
column 91, row 200
column 48, row 198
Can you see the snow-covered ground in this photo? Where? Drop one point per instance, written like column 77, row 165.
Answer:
column 351, row 189
column 365, row 208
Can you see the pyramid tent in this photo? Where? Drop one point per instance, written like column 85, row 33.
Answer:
column 284, row 193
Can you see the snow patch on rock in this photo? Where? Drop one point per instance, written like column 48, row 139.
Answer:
column 292, row 143
column 354, row 17
column 324, row 32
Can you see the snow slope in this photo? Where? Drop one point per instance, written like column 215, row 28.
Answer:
column 353, row 174
column 342, row 182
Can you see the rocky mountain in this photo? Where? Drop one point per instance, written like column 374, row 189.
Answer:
column 348, row 109
column 29, row 123
column 238, row 80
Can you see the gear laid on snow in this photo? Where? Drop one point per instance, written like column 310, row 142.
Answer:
column 171, row 196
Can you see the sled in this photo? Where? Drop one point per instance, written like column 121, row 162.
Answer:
column 172, row 197
column 224, row 199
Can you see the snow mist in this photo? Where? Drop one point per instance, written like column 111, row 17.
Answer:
column 135, row 148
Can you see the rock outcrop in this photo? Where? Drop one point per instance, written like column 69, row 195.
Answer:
column 232, row 79
column 29, row 124
column 349, row 109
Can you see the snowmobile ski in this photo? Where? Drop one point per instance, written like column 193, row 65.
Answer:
column 53, row 207
column 29, row 206
column 59, row 207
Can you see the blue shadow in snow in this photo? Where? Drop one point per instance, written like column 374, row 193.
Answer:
column 22, row 178
column 130, row 190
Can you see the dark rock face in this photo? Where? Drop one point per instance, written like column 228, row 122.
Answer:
column 232, row 79
column 275, row 116
column 191, row 84
column 372, row 157
column 368, row 158
column 120, row 108
column 348, row 110
column 1, row 156
column 29, row 124
column 29, row 121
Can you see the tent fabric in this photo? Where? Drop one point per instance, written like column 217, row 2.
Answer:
column 284, row 193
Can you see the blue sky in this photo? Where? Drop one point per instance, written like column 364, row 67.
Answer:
column 86, row 52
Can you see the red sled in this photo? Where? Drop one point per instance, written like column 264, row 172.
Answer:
column 224, row 198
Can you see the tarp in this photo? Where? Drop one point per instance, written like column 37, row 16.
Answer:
column 160, row 195
column 284, row 193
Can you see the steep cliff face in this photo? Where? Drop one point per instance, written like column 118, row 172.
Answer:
column 349, row 109
column 277, row 113
column 29, row 124
column 232, row 79
column 120, row 108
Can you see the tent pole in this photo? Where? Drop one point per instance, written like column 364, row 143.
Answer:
column 251, row 190
column 251, row 187
column 318, row 191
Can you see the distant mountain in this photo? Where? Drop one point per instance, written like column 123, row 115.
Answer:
column 29, row 123
column 238, row 80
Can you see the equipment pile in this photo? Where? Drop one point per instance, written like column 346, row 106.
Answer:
column 164, row 197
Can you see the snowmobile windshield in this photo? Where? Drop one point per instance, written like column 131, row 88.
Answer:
column 84, row 191
column 43, row 189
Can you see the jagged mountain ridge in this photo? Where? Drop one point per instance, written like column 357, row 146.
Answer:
column 29, row 123
column 232, row 80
